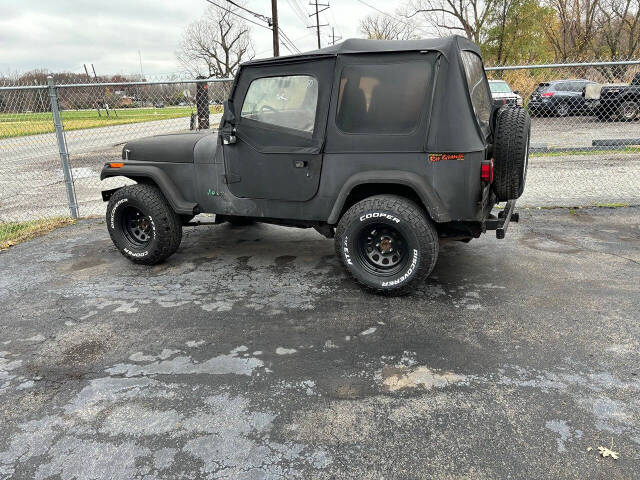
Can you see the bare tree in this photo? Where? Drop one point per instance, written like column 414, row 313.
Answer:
column 467, row 17
column 385, row 27
column 617, row 29
column 572, row 35
column 215, row 45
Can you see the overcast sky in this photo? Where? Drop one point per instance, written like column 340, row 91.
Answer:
column 61, row 35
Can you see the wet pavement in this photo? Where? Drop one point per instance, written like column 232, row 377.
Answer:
column 250, row 354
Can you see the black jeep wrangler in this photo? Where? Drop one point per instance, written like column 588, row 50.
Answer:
column 387, row 145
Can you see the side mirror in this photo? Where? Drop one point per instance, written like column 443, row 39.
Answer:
column 228, row 130
column 229, row 135
column 516, row 92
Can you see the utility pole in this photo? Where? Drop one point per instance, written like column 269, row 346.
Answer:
column 317, row 15
column 333, row 36
column 274, row 25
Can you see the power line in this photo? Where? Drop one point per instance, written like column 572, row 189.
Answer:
column 335, row 22
column 255, row 14
column 295, row 6
column 290, row 42
column 237, row 14
column 388, row 14
column 287, row 42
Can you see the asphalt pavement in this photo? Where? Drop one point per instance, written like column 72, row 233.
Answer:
column 250, row 354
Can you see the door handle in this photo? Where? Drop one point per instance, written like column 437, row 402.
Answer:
column 300, row 163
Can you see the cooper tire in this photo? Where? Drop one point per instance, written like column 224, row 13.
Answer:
column 408, row 233
column 511, row 152
column 142, row 224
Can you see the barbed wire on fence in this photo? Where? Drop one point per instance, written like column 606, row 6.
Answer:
column 585, row 145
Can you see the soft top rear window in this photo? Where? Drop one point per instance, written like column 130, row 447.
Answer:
column 478, row 88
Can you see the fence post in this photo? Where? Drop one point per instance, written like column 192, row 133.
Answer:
column 62, row 147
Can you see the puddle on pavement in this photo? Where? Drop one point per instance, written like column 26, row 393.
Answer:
column 547, row 243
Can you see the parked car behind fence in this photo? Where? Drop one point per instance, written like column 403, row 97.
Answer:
column 559, row 98
column 502, row 94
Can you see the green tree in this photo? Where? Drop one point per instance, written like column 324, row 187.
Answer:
column 516, row 33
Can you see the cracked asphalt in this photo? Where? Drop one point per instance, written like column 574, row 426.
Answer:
column 251, row 355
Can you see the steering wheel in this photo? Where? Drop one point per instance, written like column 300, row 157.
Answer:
column 267, row 108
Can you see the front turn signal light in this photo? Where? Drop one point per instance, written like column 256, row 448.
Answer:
column 116, row 165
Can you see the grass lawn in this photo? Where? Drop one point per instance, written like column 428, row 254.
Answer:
column 21, row 124
column 12, row 233
column 566, row 153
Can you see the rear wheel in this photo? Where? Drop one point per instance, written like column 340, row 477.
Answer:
column 142, row 224
column 562, row 109
column 387, row 244
column 511, row 152
column 628, row 111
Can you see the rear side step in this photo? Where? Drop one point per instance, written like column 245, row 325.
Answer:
column 501, row 223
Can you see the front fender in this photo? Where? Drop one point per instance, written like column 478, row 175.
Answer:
column 160, row 178
column 430, row 199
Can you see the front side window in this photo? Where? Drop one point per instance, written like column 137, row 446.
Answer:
column 476, row 80
column 382, row 98
column 288, row 102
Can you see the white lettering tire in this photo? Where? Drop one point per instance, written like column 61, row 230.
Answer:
column 395, row 219
column 162, row 226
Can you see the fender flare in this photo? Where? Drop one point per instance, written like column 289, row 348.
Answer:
column 160, row 178
column 430, row 199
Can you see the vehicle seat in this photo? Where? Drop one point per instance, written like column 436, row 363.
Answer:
column 391, row 111
column 353, row 108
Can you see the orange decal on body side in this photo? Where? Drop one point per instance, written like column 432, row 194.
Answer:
column 437, row 157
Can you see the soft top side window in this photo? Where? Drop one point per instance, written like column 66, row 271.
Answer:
column 478, row 88
column 287, row 101
column 383, row 98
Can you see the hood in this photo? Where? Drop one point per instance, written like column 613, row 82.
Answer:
column 174, row 148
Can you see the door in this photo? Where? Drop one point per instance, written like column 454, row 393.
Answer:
column 281, row 117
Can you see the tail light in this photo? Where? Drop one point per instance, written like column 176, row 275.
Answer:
column 486, row 171
column 547, row 94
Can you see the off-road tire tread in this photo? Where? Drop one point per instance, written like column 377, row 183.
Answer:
column 410, row 212
column 513, row 127
column 168, row 223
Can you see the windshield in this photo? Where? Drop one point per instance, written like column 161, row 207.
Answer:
column 499, row 87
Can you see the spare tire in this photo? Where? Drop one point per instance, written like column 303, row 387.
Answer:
column 511, row 152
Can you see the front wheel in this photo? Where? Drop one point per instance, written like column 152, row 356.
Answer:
column 142, row 224
column 387, row 244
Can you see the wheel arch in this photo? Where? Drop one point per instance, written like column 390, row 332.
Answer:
column 153, row 175
column 406, row 184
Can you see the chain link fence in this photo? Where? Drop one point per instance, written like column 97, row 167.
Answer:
column 585, row 138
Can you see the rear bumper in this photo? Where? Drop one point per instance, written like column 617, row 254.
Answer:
column 501, row 223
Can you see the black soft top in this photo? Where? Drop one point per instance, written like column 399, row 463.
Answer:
column 359, row 45
column 450, row 123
